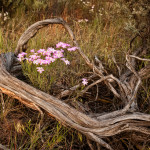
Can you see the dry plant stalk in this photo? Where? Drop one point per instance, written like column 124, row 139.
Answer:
column 95, row 128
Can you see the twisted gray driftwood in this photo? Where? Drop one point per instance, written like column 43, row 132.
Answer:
column 95, row 127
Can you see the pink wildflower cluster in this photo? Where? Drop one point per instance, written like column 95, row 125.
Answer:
column 46, row 57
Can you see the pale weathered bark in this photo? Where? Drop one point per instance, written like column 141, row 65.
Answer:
column 96, row 126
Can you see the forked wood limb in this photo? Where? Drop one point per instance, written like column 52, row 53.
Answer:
column 95, row 128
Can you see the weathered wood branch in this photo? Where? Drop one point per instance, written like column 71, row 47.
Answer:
column 95, row 128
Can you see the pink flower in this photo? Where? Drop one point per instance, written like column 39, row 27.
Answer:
column 40, row 69
column 30, row 59
column 44, row 53
column 48, row 62
column 21, row 56
column 48, row 53
column 23, row 53
column 58, row 54
column 41, row 61
column 50, row 59
column 72, row 49
column 84, row 81
column 41, row 51
column 33, row 57
column 51, row 50
column 63, row 45
column 20, row 59
column 32, row 51
column 44, row 62
column 62, row 50
column 67, row 62
column 36, row 62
